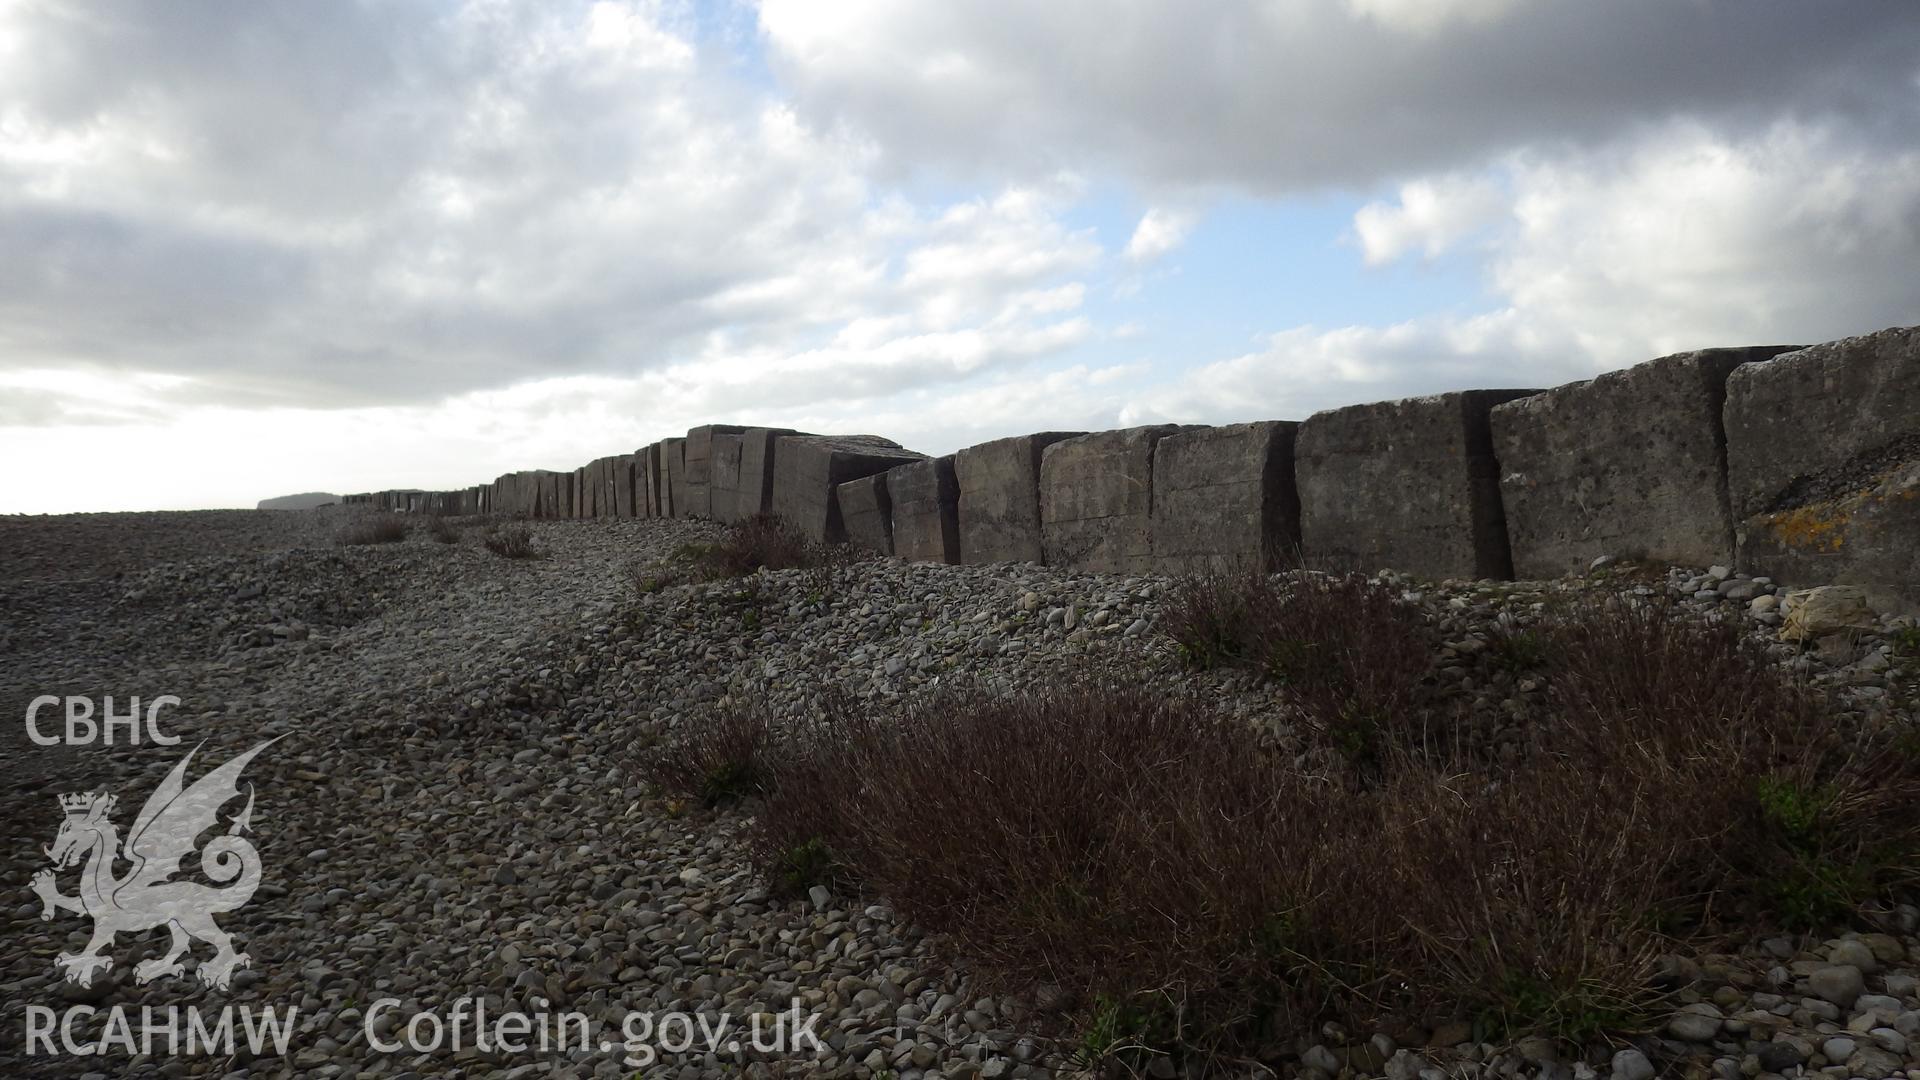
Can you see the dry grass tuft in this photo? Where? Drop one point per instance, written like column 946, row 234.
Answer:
column 374, row 529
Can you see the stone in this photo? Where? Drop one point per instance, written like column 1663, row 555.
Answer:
column 697, row 467
column 1852, row 951
column 753, row 492
column 866, row 513
column 620, row 478
column 1871, row 1061
column 999, row 484
column 724, row 479
column 1823, row 466
column 1779, row 1056
column 1409, row 485
column 1631, row 1064
column 672, row 469
column 646, row 482
column 926, row 510
column 1224, row 497
column 1840, row 984
column 1827, row 609
column 1096, row 500
column 1630, row 462
column 809, row 468
column 1695, row 1023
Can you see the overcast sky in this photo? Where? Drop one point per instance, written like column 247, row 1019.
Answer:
column 252, row 248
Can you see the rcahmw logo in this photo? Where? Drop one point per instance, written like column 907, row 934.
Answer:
column 147, row 896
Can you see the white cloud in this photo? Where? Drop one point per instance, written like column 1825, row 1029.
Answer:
column 1680, row 238
column 1160, row 231
column 1431, row 216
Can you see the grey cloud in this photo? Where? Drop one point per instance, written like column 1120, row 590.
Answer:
column 1278, row 97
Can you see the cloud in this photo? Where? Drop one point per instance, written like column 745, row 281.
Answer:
column 378, row 205
column 1160, row 231
column 1679, row 238
column 1280, row 97
column 1431, row 216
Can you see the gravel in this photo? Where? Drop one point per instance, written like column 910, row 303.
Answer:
column 450, row 814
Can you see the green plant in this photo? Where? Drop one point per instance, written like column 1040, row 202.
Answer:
column 443, row 530
column 1126, row 1034
column 802, row 866
column 1518, row 652
column 511, row 542
column 715, row 758
column 1905, row 640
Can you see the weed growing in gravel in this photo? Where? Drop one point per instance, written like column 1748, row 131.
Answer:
column 512, row 542
column 1199, row 890
column 443, row 530
column 1349, row 654
column 717, row 758
column 374, row 529
column 762, row 542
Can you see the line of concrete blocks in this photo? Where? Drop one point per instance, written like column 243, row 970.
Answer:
column 1799, row 463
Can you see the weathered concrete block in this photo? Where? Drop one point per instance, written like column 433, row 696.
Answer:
column 1823, row 465
column 698, row 463
column 724, row 482
column 867, row 513
column 925, row 498
column 673, row 469
column 808, row 469
column 1224, row 498
column 646, row 485
column 1000, row 498
column 623, row 487
column 1407, row 485
column 1096, row 500
column 753, row 492
column 1631, row 463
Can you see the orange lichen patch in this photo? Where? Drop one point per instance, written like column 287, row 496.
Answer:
column 1821, row 526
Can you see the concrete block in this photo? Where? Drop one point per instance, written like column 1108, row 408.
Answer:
column 620, row 472
column 647, row 461
column 723, row 484
column 1096, row 500
column 1823, row 466
column 1409, row 485
column 1632, row 463
column 1223, row 498
column 808, row 469
column 866, row 513
column 673, row 467
column 1000, row 498
column 698, row 454
column 753, row 492
column 925, row 498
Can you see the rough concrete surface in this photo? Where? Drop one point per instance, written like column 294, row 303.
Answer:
column 807, row 469
column 926, row 510
column 758, row 451
column 1096, row 500
column 1000, row 498
column 724, row 482
column 672, row 467
column 1823, row 465
column 1632, row 463
column 698, row 467
column 867, row 513
column 1408, row 485
column 1224, row 498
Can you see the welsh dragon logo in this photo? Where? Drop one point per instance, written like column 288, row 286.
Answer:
column 144, row 897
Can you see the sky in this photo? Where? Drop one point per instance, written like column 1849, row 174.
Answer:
column 249, row 249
